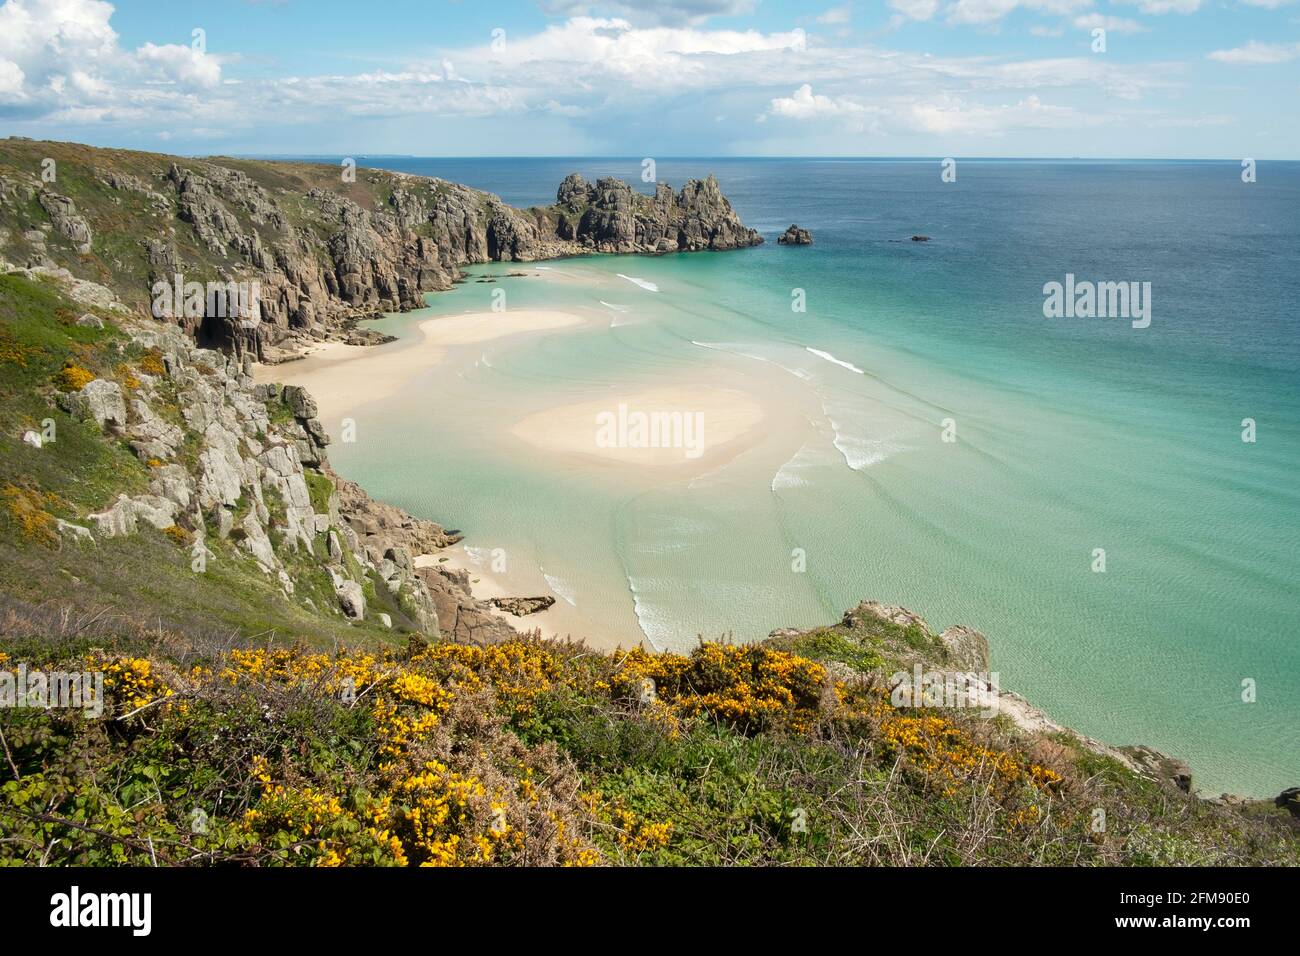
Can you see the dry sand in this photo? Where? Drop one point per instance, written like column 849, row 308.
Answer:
column 342, row 378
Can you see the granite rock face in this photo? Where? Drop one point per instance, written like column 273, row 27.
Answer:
column 610, row 216
column 322, row 252
column 63, row 215
column 247, row 464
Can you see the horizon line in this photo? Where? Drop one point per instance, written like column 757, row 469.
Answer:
column 703, row 156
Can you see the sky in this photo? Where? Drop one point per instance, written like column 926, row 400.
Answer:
column 1181, row 79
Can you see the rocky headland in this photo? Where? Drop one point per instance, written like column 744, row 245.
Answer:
column 326, row 252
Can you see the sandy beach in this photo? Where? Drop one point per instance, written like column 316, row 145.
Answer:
column 659, row 427
column 342, row 378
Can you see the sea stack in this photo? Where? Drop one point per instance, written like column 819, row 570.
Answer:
column 794, row 236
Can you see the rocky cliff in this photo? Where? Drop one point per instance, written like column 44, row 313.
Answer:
column 235, row 475
column 609, row 216
column 325, row 251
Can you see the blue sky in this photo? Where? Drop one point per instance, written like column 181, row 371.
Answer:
column 1177, row 78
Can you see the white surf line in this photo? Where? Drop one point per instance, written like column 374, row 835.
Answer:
column 831, row 358
column 559, row 587
column 732, row 349
column 611, row 305
column 643, row 283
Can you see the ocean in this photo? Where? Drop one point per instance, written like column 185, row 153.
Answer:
column 937, row 441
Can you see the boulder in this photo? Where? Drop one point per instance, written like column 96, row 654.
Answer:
column 75, row 532
column 125, row 514
column 794, row 236
column 101, row 401
column 520, row 606
column 352, row 599
column 299, row 401
column 255, row 541
column 63, row 214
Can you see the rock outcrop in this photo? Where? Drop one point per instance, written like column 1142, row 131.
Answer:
column 521, row 606
column 610, row 216
column 67, row 223
column 794, row 236
column 232, row 461
column 460, row 616
column 958, row 654
column 1289, row 800
column 321, row 253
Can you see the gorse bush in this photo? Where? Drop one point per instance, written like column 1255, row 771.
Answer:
column 522, row 753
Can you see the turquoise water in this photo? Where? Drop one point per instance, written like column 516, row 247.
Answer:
column 1071, row 434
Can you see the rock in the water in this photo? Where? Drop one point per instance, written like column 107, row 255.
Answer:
column 920, row 238
column 519, row 606
column 794, row 236
column 610, row 216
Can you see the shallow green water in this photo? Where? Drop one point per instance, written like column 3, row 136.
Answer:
column 1069, row 438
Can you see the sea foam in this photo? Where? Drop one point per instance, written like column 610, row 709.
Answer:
column 656, row 623
column 643, row 283
column 560, row 588
column 831, row 358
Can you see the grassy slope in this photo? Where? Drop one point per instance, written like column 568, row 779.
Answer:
column 82, row 471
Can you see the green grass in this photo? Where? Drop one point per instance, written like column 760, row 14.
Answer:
column 38, row 335
column 829, row 644
column 320, row 488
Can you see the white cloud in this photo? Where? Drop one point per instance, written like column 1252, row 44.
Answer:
column 982, row 12
column 1268, row 4
column 1161, row 7
column 1092, row 21
column 805, row 104
column 61, row 59
column 954, row 117
column 588, row 77
column 181, row 64
column 47, row 38
column 836, row 15
column 916, row 9
column 1255, row 53
column 689, row 12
